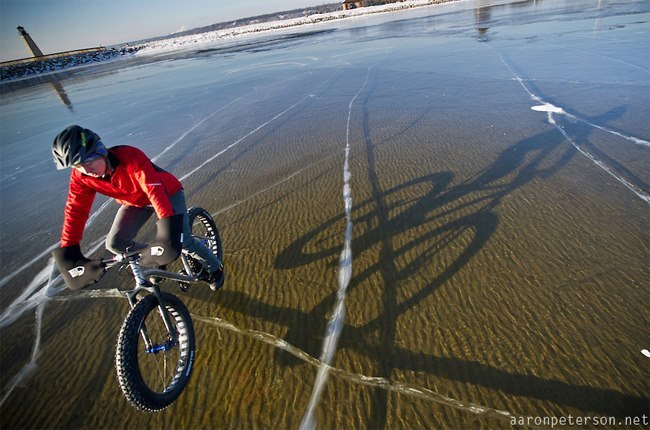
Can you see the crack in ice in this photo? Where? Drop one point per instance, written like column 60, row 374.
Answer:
column 550, row 109
column 335, row 325
column 358, row 378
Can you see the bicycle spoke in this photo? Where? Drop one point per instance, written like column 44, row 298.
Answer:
column 157, row 368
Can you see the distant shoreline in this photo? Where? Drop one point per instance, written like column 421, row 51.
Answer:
column 186, row 40
column 178, row 42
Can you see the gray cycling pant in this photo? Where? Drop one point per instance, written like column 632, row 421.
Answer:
column 130, row 219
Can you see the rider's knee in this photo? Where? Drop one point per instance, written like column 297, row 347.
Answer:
column 116, row 245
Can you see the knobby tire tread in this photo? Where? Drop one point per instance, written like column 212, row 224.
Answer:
column 126, row 362
column 206, row 219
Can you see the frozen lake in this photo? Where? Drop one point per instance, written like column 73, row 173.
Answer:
column 481, row 165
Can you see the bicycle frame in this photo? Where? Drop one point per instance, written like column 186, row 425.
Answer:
column 141, row 276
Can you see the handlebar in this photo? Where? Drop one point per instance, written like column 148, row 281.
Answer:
column 118, row 258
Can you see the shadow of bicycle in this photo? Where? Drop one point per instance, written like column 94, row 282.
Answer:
column 429, row 227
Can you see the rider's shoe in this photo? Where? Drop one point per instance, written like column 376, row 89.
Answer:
column 216, row 279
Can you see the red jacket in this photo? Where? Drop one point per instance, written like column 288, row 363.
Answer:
column 135, row 181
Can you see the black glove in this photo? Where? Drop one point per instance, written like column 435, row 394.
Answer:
column 77, row 271
column 168, row 244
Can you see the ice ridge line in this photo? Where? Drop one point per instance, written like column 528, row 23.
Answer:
column 370, row 381
column 550, row 109
column 335, row 325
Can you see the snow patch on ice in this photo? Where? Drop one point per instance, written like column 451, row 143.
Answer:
column 547, row 107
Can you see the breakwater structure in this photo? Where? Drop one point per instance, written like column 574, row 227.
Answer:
column 43, row 63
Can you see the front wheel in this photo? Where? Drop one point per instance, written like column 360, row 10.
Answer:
column 153, row 374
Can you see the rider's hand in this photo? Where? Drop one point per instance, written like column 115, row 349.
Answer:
column 77, row 271
column 168, row 244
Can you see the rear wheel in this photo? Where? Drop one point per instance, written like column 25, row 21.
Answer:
column 152, row 377
column 205, row 230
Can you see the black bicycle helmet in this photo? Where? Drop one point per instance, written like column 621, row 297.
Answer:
column 73, row 145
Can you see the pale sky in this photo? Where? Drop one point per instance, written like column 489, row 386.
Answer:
column 62, row 25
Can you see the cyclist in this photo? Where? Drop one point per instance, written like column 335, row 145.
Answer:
column 141, row 188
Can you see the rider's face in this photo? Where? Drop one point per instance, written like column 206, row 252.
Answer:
column 95, row 168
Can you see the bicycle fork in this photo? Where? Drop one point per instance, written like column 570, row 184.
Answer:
column 143, row 284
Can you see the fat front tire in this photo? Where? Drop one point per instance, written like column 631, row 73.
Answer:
column 151, row 381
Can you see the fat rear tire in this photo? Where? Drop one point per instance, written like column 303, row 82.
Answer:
column 203, row 227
